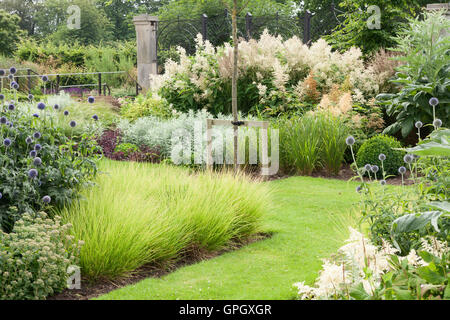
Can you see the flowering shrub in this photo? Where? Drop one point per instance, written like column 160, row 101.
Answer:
column 37, row 160
column 273, row 73
column 34, row 258
column 362, row 271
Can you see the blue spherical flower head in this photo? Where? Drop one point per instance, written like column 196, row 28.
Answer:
column 2, row 72
column 56, row 107
column 33, row 173
column 408, row 158
column 383, row 182
column 350, row 141
column 37, row 147
column 35, row 115
column 33, row 153
column 66, row 113
column 37, row 161
column 12, row 70
column 30, row 97
column 11, row 107
column 10, row 77
column 45, row 78
column 358, row 189
column 95, row 117
column 437, row 123
column 419, row 124
column 381, row 157
column 434, row 102
column 375, row 168
column 41, row 106
column 46, row 199
column 3, row 120
column 73, row 123
column 91, row 99
column 15, row 86
column 402, row 170
column 37, row 135
column 7, row 142
column 368, row 167
column 28, row 140
column 2, row 97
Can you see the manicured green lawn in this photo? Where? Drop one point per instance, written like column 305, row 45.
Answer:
column 309, row 224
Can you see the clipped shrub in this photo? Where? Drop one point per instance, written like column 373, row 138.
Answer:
column 370, row 150
column 146, row 105
column 35, row 257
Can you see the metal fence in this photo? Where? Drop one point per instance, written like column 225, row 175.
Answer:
column 217, row 29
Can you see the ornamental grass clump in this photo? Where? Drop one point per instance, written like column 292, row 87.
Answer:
column 34, row 258
column 141, row 214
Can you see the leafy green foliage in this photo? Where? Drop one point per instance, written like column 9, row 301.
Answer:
column 65, row 164
column 144, row 106
column 370, row 150
column 126, row 148
column 34, row 258
column 10, row 33
column 437, row 144
column 424, row 74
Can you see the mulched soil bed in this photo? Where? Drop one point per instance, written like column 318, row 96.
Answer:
column 193, row 255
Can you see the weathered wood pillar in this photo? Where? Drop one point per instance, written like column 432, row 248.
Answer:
column 147, row 59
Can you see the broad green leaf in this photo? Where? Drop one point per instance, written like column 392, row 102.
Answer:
column 412, row 222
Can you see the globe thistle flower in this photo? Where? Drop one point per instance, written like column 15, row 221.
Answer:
column 35, row 115
column 66, row 113
column 437, row 123
column 14, row 85
column 37, row 161
column 383, row 182
column 2, row 97
column 11, row 107
column 33, row 153
column 56, row 107
column 10, row 77
column 381, row 157
column 41, row 106
column 350, row 141
column 28, row 140
column 408, row 158
column 402, row 170
column 419, row 124
column 358, row 189
column 7, row 142
column 2, row 72
column 30, row 97
column 37, row 135
column 95, row 117
column 46, row 199
column 1, row 196
column 3, row 120
column 368, row 167
column 12, row 70
column 33, row 173
column 73, row 123
column 375, row 168
column 434, row 102
column 37, row 147
column 44, row 78
column 91, row 99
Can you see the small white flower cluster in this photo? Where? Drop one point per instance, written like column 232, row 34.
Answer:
column 356, row 258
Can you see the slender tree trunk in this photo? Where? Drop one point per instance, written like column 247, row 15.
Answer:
column 234, row 101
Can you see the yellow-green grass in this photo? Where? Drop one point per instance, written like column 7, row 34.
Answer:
column 143, row 213
column 310, row 222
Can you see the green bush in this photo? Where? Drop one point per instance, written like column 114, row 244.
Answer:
column 141, row 213
column 34, row 258
column 63, row 164
column 126, row 148
column 370, row 150
column 145, row 106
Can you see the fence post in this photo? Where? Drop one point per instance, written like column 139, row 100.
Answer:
column 147, row 58
column 29, row 80
column 248, row 25
column 204, row 27
column 99, row 84
column 57, row 83
column 307, row 28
